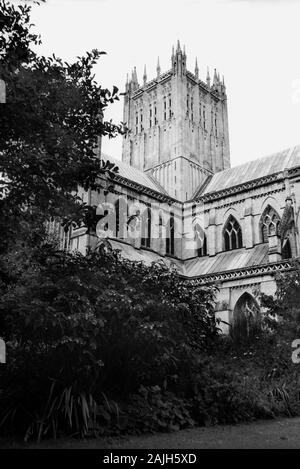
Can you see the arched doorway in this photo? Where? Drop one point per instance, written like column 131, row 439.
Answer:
column 246, row 317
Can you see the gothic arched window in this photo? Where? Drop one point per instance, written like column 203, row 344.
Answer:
column 146, row 228
column 233, row 238
column 286, row 251
column 202, row 251
column 200, row 241
column 269, row 223
column 170, row 235
column 246, row 317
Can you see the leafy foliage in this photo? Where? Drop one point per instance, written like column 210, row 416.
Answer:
column 285, row 305
column 108, row 346
column 50, row 130
column 96, row 324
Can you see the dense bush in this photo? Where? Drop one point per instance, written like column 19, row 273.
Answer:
column 95, row 325
column 98, row 345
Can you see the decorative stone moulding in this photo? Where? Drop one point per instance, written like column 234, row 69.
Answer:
column 265, row 269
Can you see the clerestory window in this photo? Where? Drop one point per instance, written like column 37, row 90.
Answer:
column 233, row 238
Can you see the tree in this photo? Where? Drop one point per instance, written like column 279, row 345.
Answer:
column 50, row 130
column 75, row 326
column 283, row 309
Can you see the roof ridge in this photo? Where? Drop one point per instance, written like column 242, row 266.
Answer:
column 157, row 183
column 252, row 170
column 136, row 175
column 290, row 150
column 201, row 187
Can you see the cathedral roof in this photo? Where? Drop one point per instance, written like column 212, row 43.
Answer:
column 132, row 174
column 255, row 169
column 200, row 266
column 144, row 255
column 226, row 261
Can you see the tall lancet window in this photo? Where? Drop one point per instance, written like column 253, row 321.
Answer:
column 269, row 223
column 286, row 250
column 136, row 123
column 200, row 241
column 216, row 125
column 202, row 251
column 141, row 120
column 170, row 236
column 233, row 238
column 146, row 228
column 117, row 213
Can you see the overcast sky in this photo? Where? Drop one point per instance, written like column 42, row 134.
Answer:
column 254, row 44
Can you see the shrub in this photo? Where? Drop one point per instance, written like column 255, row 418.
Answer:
column 88, row 325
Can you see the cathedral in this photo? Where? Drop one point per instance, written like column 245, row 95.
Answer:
column 176, row 199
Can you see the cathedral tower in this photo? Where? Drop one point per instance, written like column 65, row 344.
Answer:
column 178, row 126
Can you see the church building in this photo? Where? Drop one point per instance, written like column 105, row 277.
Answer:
column 176, row 199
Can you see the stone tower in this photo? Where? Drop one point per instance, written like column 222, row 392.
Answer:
column 178, row 126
